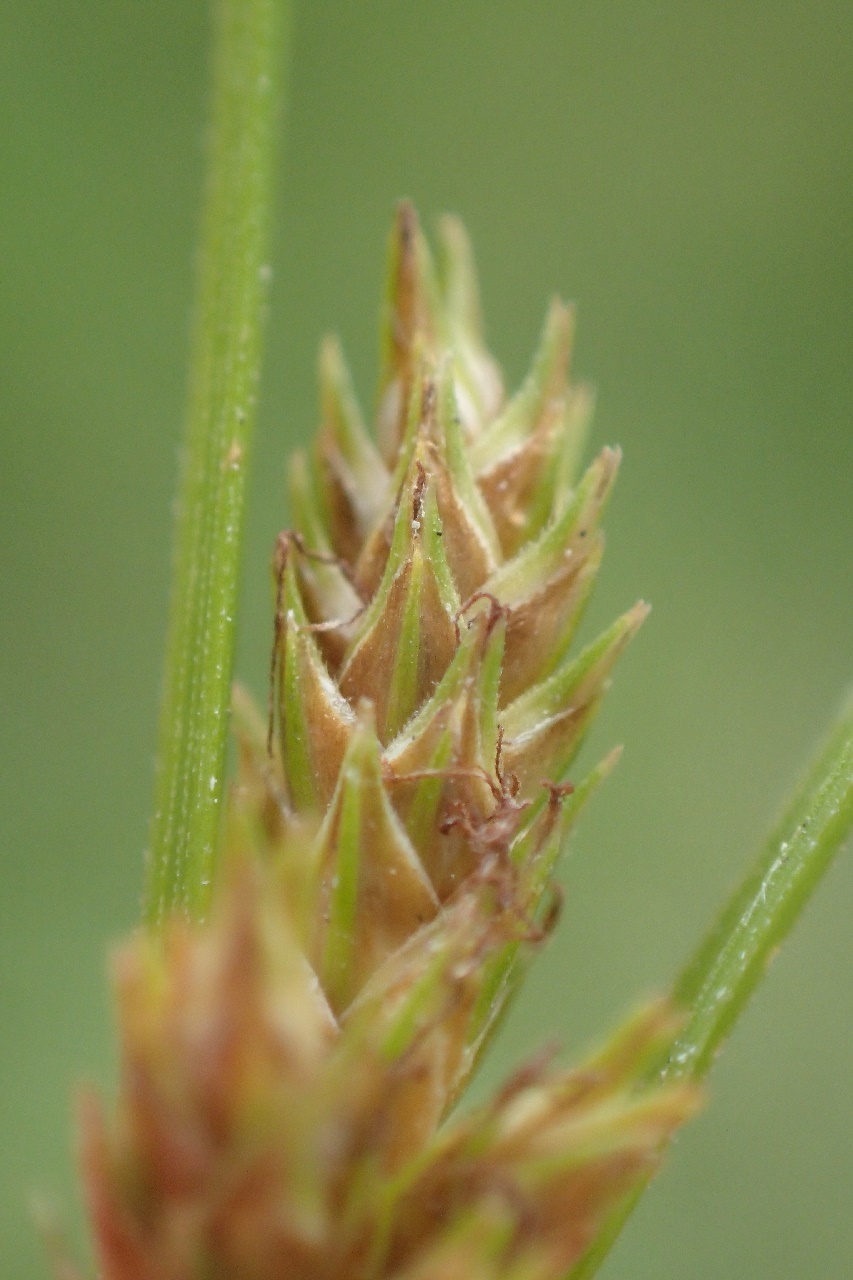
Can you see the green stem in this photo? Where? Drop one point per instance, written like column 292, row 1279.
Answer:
column 225, row 360
column 716, row 984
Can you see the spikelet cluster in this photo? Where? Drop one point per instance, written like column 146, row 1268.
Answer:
column 290, row 1068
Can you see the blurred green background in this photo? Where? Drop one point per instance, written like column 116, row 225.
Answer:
column 682, row 170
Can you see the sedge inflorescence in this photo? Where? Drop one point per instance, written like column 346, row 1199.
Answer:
column 290, row 1066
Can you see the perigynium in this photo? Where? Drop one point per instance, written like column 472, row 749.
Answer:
column 290, row 1068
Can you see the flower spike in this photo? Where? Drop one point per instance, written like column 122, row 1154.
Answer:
column 290, row 1067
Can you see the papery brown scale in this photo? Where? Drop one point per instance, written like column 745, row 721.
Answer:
column 468, row 555
column 520, row 419
column 354, row 487
column 394, row 896
column 509, row 486
column 326, row 720
column 331, row 603
column 371, row 557
column 367, row 670
column 539, row 626
column 547, row 754
column 466, row 800
column 332, row 633
column 346, row 529
column 369, row 567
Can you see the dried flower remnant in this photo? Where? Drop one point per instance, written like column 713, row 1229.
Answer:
column 289, row 1067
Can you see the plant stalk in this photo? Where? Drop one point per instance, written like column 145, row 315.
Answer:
column 231, row 286
column 716, row 984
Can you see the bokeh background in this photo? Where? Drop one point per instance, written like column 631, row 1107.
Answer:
column 682, row 170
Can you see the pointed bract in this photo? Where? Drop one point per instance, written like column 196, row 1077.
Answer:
column 407, row 636
column 517, row 458
column 544, row 726
column 443, row 761
column 479, row 392
column 470, row 540
column 315, row 721
column 331, row 600
column 410, row 317
column 373, row 892
column 355, row 476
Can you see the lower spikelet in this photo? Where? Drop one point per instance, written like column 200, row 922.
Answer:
column 259, row 1136
column 289, row 1067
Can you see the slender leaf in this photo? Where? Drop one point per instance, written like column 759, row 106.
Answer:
column 225, row 360
column 716, row 984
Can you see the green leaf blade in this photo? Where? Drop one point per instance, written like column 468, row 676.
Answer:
column 716, row 984
column 224, row 368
